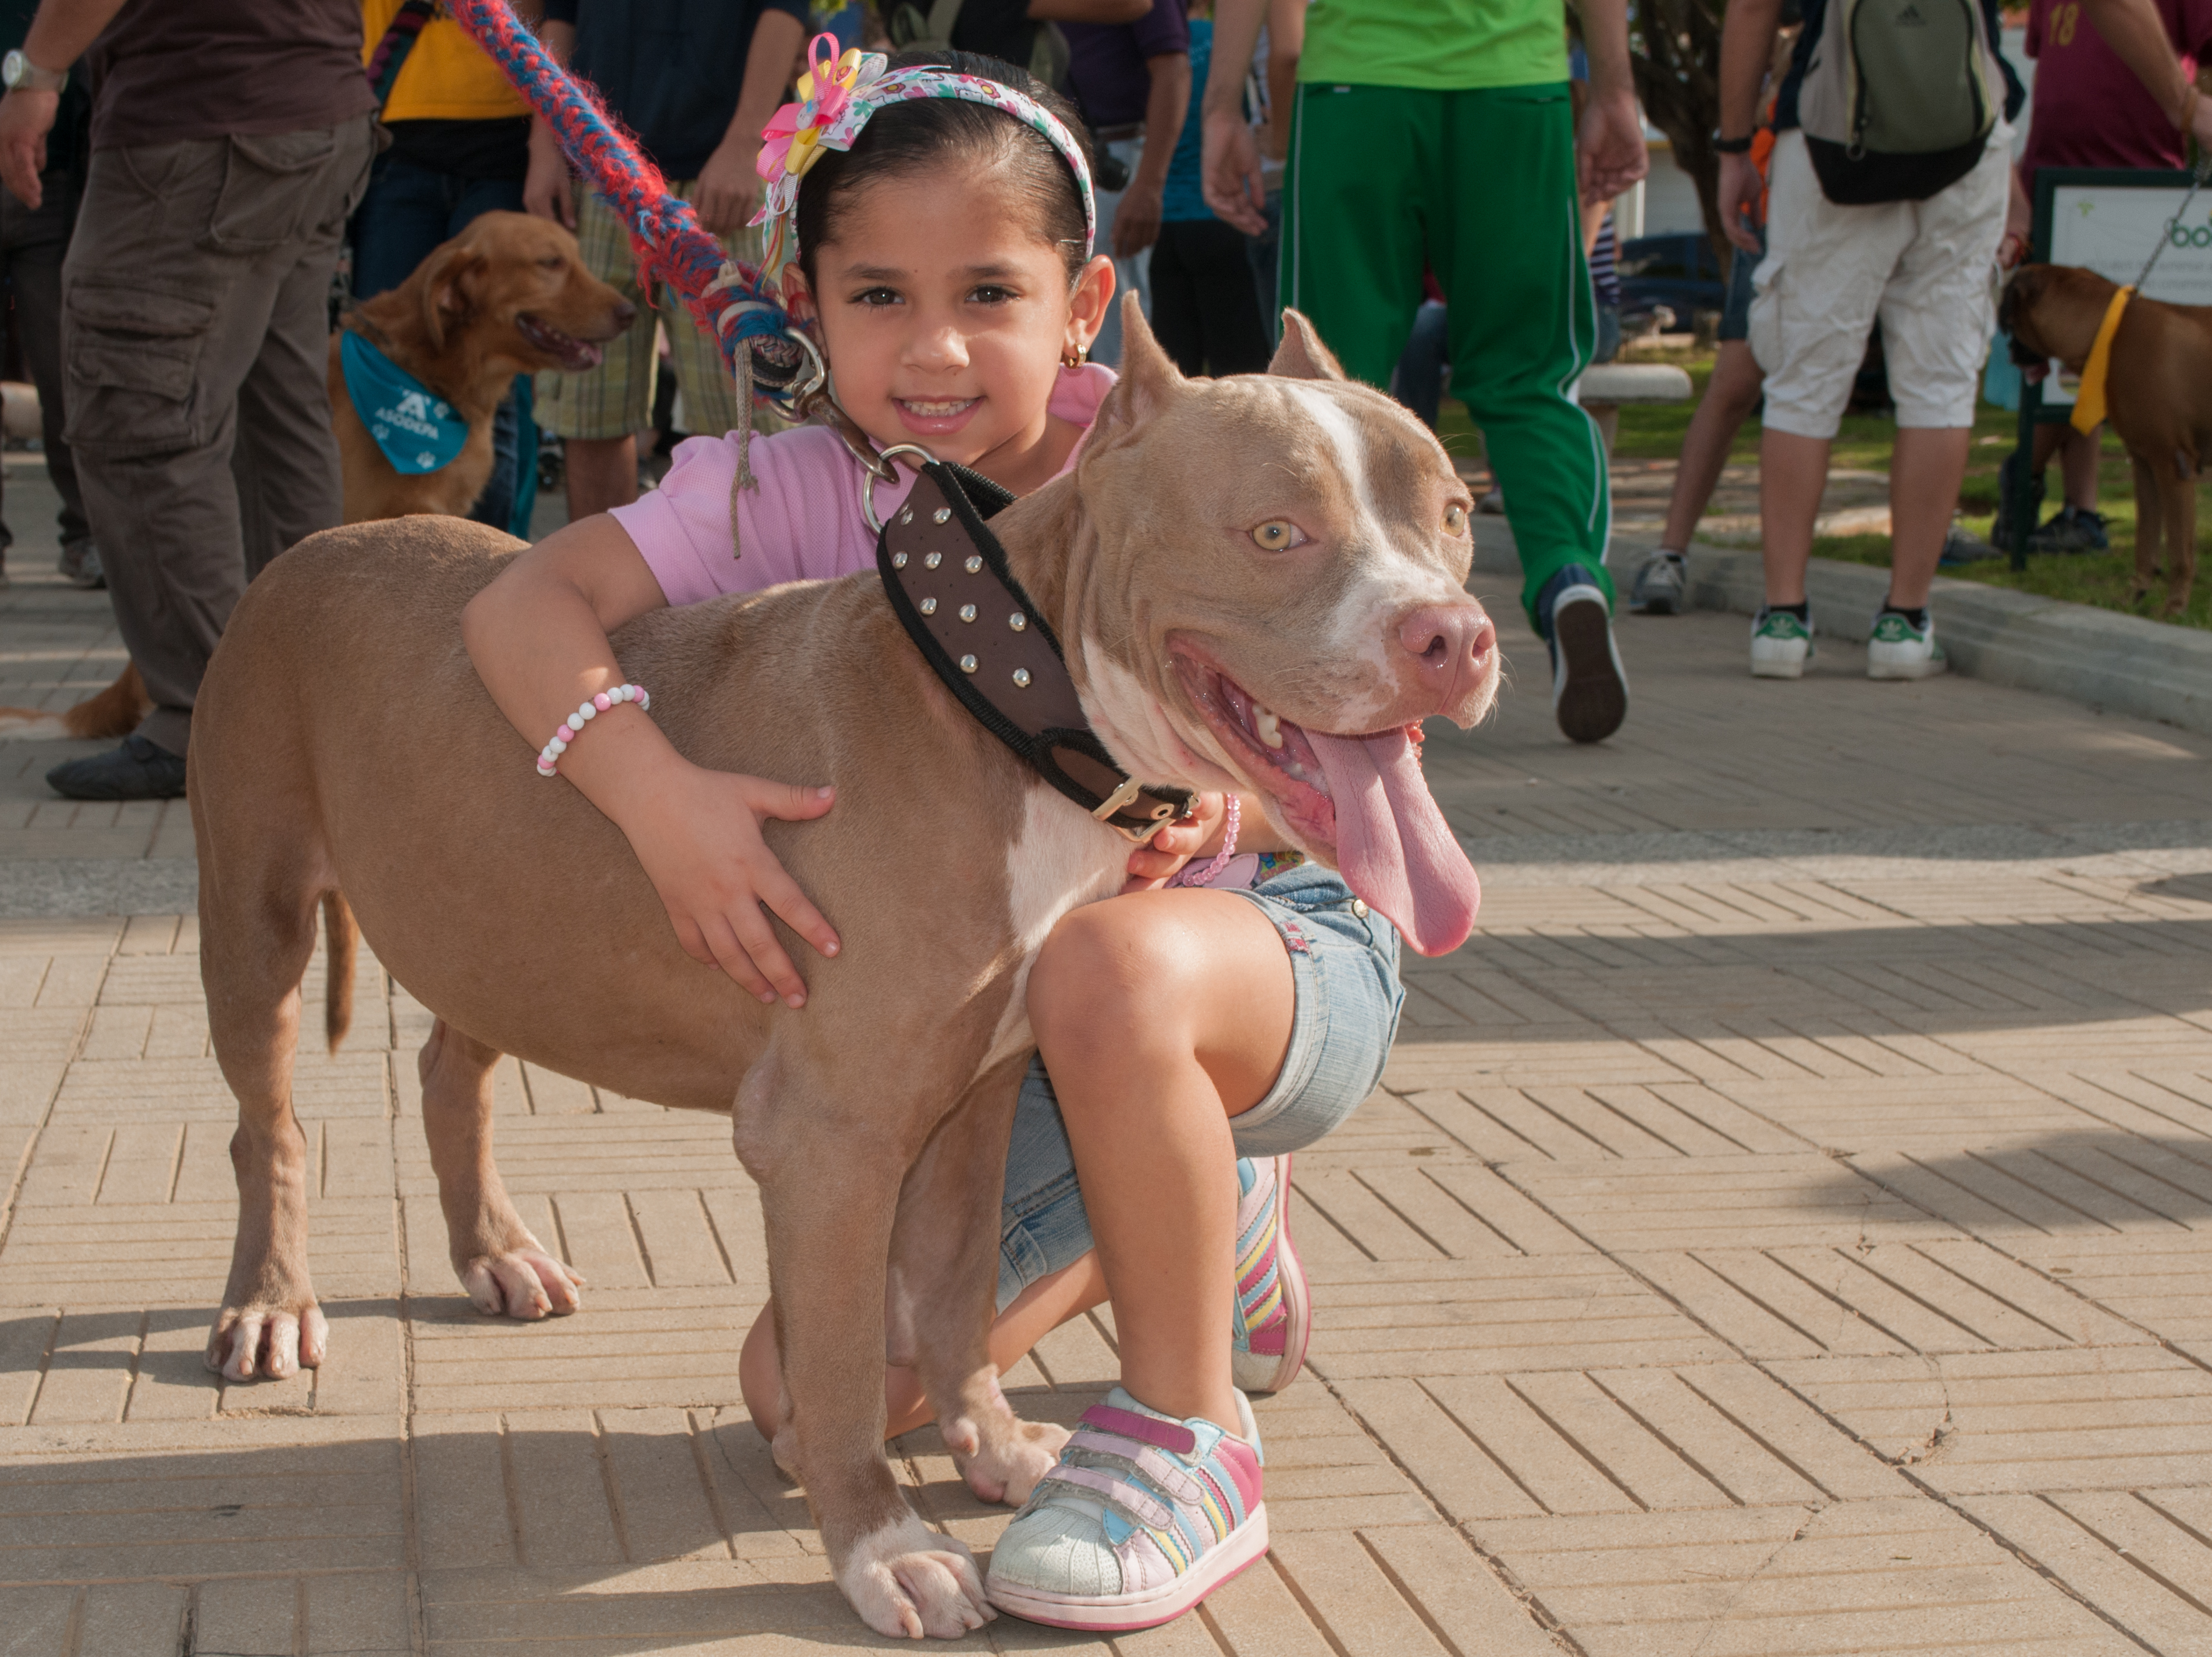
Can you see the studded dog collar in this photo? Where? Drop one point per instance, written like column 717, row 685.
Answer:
column 948, row 582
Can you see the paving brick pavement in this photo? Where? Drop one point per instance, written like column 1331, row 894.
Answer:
column 1781, row 1230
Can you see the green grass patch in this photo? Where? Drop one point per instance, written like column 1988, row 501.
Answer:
column 1656, row 431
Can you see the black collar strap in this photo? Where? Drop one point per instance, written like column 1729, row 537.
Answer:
column 948, row 582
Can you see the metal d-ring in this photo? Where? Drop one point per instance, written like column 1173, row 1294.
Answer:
column 819, row 374
column 884, row 472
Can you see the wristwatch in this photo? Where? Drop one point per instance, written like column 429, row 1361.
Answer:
column 1730, row 146
column 19, row 73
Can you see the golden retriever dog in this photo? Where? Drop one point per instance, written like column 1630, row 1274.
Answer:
column 509, row 295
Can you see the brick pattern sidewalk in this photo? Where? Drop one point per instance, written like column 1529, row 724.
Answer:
column 1780, row 1231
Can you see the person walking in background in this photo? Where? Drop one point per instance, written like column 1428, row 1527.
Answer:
column 460, row 146
column 231, row 141
column 1442, row 136
column 2090, row 110
column 1662, row 585
column 33, row 240
column 1132, row 80
column 1206, row 306
column 696, row 84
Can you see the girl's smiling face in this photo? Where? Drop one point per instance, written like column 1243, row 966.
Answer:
column 945, row 316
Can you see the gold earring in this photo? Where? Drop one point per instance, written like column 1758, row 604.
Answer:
column 1073, row 357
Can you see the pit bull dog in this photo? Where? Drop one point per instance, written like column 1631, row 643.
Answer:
column 343, row 744
column 2158, row 397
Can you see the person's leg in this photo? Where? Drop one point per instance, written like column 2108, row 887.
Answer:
column 154, row 377
column 1132, row 275
column 1228, row 304
column 1177, row 321
column 1357, row 218
column 1818, row 289
column 407, row 212
column 286, row 460
column 702, row 372
column 35, row 271
column 597, row 414
column 1731, row 395
column 1418, row 379
column 2079, row 467
column 1524, row 325
column 1935, row 325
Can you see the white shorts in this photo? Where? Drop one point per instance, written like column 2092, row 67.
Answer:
column 1924, row 268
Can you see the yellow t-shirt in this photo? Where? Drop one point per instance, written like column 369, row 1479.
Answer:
column 447, row 77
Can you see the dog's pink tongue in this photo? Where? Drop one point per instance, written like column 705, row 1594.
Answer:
column 1393, row 846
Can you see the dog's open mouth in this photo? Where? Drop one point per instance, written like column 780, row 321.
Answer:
column 1359, row 800
column 571, row 352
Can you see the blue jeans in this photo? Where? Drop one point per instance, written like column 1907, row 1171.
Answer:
column 409, row 211
column 1347, row 996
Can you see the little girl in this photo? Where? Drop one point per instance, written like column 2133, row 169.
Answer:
column 943, row 220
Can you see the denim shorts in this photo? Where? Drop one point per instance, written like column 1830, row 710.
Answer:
column 1347, row 996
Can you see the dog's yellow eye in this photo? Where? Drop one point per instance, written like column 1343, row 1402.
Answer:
column 1455, row 520
column 1276, row 534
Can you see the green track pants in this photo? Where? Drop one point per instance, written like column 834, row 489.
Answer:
column 1480, row 187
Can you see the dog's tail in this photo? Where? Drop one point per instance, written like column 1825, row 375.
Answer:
column 114, row 713
column 343, row 939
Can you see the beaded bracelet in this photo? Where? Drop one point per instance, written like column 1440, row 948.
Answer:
column 585, row 713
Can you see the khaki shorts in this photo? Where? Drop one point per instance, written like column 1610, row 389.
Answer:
column 615, row 399
column 1924, row 268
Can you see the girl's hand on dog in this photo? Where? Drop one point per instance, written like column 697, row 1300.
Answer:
column 1155, row 863
column 699, row 838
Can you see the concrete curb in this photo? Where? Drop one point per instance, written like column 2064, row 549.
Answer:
column 2113, row 663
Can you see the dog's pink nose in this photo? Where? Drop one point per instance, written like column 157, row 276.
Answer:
column 1448, row 643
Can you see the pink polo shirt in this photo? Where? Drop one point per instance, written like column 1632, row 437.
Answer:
column 803, row 523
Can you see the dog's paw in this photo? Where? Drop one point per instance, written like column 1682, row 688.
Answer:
column 273, row 1340
column 524, row 1282
column 1004, row 1464
column 906, row 1580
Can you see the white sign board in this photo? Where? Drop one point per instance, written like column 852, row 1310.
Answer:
column 2112, row 230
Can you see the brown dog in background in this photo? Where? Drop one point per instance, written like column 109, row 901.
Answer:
column 2158, row 395
column 509, row 295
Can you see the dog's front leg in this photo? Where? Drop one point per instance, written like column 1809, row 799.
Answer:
column 944, row 1250
column 830, row 1170
column 2150, row 522
column 2180, row 533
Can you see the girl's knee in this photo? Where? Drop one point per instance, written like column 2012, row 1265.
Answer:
column 1108, row 971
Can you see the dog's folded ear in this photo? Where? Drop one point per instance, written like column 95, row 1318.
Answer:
column 1301, row 356
column 445, row 289
column 1150, row 381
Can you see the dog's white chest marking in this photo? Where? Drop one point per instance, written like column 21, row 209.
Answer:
column 1059, row 858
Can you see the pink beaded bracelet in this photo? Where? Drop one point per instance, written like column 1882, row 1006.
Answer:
column 585, row 713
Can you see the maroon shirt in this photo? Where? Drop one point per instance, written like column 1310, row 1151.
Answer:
column 171, row 70
column 2090, row 110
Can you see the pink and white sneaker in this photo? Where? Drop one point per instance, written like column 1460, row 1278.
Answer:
column 1144, row 1516
column 1274, row 1312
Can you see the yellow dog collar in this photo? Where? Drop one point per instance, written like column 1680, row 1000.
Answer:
column 2090, row 403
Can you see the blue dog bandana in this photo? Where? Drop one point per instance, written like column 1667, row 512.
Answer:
column 416, row 429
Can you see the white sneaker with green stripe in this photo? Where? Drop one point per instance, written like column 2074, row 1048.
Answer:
column 1899, row 650
column 1781, row 645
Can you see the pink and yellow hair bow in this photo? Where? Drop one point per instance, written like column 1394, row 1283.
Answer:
column 837, row 94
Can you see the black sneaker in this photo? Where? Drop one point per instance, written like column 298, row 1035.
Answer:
column 1590, row 689
column 2072, row 529
column 138, row 770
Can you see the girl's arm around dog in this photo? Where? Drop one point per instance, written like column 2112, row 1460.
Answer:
column 538, row 636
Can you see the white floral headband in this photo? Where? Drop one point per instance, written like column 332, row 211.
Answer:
column 838, row 97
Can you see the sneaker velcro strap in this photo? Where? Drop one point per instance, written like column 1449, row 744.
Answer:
column 1141, row 1457
column 1137, row 1505
column 1166, row 1434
